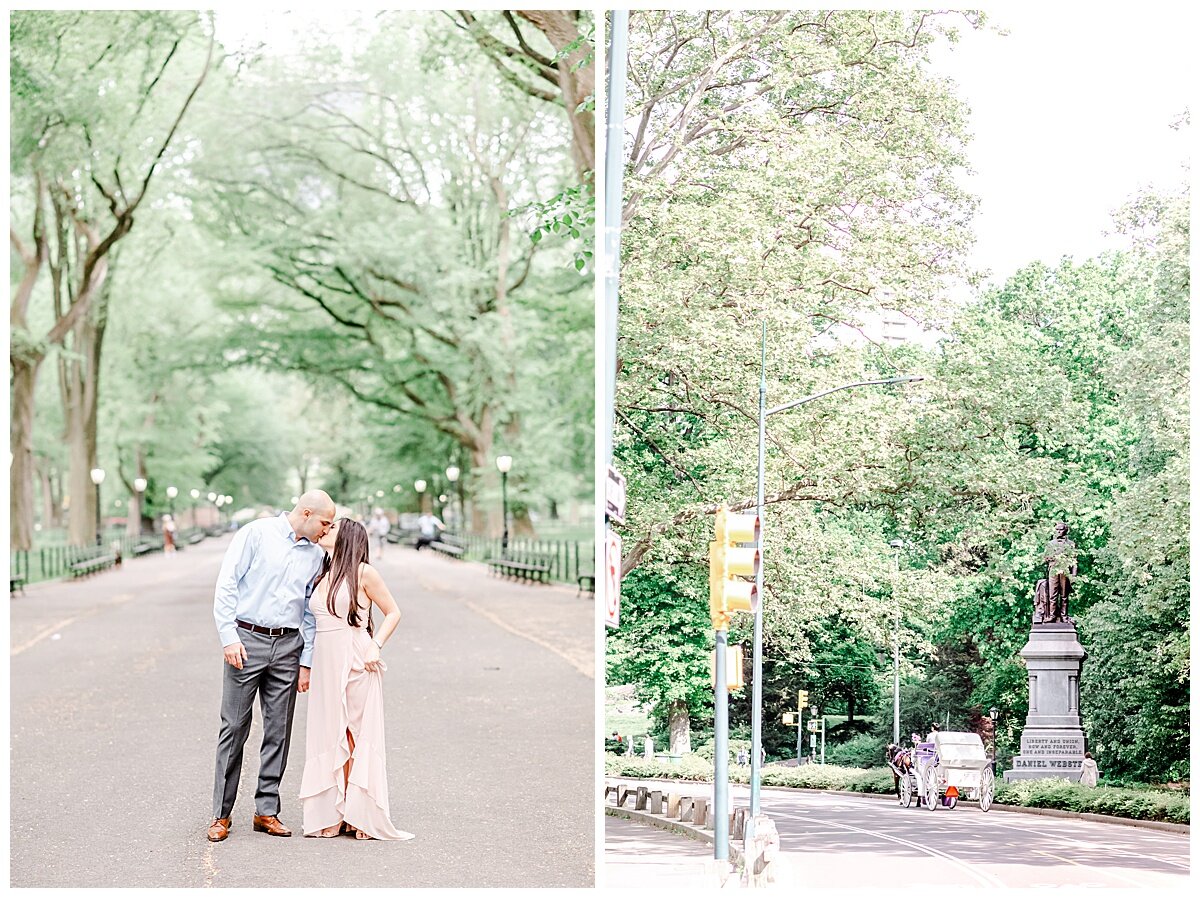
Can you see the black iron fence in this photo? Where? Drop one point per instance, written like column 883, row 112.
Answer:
column 49, row 562
column 567, row 560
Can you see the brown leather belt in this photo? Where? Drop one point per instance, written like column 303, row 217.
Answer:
column 267, row 631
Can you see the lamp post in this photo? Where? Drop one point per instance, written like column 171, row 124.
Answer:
column 420, row 486
column 763, row 414
column 172, row 492
column 195, row 494
column 139, row 489
column 97, row 479
column 994, row 714
column 896, row 545
column 504, row 463
column 452, row 473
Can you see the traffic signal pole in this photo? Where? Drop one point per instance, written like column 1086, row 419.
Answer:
column 721, row 751
column 756, row 700
column 733, row 554
column 763, row 414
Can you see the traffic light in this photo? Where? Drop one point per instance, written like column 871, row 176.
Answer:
column 803, row 699
column 727, row 561
column 789, row 718
column 735, row 666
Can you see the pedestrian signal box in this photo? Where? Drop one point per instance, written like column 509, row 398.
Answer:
column 729, row 560
column 735, row 663
column 789, row 719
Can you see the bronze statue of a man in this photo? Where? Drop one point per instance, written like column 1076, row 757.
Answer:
column 1061, row 566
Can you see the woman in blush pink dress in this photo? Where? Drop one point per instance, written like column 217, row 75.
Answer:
column 344, row 786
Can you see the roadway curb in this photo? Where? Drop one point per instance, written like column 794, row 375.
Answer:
column 673, row 826
column 1161, row 826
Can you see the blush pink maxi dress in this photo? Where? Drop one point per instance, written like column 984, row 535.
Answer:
column 343, row 695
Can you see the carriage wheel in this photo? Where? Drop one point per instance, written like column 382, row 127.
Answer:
column 906, row 790
column 931, row 788
column 987, row 788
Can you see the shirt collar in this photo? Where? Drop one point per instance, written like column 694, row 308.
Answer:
column 285, row 527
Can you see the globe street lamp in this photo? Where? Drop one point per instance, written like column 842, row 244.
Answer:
column 756, row 702
column 452, row 473
column 420, row 486
column 172, row 492
column 504, row 463
column 139, row 487
column 994, row 714
column 98, row 478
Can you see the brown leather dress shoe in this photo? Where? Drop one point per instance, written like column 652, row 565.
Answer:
column 218, row 830
column 271, row 826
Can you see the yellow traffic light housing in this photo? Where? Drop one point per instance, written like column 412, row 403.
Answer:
column 803, row 699
column 727, row 561
column 735, row 666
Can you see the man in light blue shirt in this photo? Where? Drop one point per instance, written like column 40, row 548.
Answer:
column 267, row 633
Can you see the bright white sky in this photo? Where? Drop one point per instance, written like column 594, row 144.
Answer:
column 1071, row 113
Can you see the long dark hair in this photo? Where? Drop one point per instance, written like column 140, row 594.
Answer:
column 349, row 551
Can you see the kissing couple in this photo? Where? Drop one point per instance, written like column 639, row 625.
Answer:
column 294, row 619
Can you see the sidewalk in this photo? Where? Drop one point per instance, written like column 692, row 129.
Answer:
column 646, row 857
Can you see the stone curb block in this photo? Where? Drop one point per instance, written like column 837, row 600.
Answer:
column 1161, row 826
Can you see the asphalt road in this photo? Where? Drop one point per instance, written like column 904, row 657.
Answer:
column 115, row 697
column 835, row 840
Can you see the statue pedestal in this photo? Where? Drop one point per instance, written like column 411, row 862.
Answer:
column 1052, row 743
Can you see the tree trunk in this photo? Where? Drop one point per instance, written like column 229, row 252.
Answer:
column 79, row 390
column 20, row 507
column 576, row 82
column 680, row 723
column 850, row 708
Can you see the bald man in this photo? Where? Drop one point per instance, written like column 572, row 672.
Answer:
column 267, row 631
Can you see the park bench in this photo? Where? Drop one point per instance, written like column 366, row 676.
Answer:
column 529, row 566
column 586, row 580
column 16, row 584
column 448, row 545
column 85, row 566
column 145, row 547
column 197, row 537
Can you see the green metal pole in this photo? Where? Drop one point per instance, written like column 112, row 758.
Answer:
column 756, row 706
column 721, row 753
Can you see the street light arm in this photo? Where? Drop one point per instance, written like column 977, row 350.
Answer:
column 913, row 378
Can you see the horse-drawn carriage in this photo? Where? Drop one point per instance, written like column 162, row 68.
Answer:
column 952, row 766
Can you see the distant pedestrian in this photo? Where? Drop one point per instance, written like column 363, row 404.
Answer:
column 1091, row 773
column 428, row 525
column 742, row 757
column 168, row 524
column 377, row 529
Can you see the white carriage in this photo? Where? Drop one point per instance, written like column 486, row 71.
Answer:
column 953, row 766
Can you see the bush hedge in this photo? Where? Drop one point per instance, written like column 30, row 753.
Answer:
column 1134, row 804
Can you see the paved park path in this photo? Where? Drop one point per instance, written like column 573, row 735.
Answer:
column 115, row 697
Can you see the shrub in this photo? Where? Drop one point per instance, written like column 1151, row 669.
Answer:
column 1133, row 804
column 860, row 751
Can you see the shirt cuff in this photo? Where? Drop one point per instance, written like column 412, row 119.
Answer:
column 306, row 659
column 229, row 635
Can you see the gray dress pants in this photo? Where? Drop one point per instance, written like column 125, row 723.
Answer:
column 270, row 672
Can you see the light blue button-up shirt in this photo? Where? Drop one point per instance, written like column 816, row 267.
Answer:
column 266, row 579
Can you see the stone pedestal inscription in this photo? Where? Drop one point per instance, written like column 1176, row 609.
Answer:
column 1052, row 743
